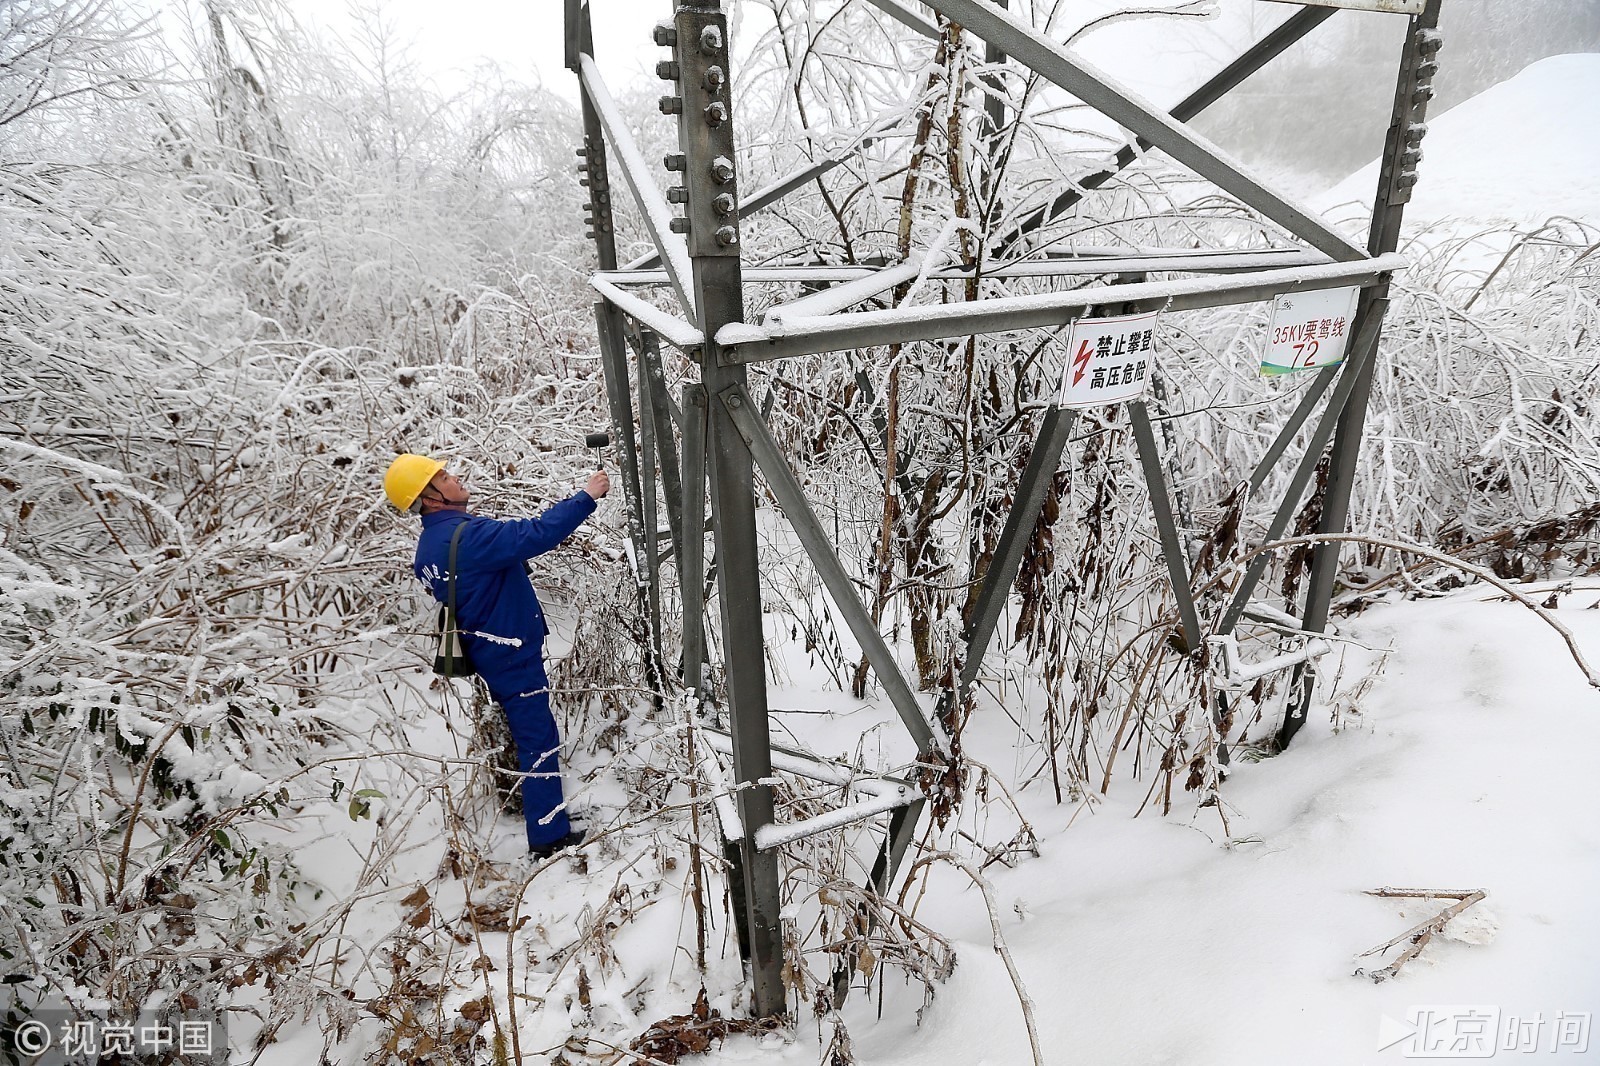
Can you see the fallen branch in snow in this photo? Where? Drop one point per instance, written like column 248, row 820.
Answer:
column 999, row 941
column 1422, row 932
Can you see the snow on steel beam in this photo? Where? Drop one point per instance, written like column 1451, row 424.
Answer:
column 1098, row 262
column 908, row 18
column 1097, row 89
column 674, row 330
column 800, row 274
column 1236, row 674
column 745, row 343
column 773, row 835
column 652, row 205
column 1189, row 262
column 1228, row 78
column 811, row 768
column 721, row 791
column 849, row 294
column 1397, row 7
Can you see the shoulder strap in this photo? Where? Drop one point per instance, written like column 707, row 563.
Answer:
column 452, row 625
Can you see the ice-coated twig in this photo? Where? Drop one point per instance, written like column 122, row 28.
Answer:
column 999, row 940
column 1419, row 934
column 1488, row 577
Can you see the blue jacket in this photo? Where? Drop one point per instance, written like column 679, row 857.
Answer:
column 503, row 627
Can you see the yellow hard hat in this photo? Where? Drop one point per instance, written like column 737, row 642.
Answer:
column 407, row 476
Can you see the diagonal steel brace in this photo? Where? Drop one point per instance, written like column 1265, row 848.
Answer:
column 742, row 409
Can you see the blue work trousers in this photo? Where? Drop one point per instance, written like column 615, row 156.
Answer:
column 533, row 728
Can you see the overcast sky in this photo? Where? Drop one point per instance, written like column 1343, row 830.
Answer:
column 524, row 37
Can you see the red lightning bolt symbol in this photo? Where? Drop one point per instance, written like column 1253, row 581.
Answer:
column 1080, row 362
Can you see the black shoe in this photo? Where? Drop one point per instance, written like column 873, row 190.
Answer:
column 544, row 851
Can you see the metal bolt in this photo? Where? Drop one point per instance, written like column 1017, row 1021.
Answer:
column 714, row 79
column 679, row 225
column 710, row 40
column 667, row 70
column 671, row 105
column 1426, row 71
column 721, row 171
column 665, row 35
column 727, row 236
column 734, row 401
column 583, row 152
column 675, row 161
column 716, row 113
column 724, row 204
column 584, row 180
column 677, row 195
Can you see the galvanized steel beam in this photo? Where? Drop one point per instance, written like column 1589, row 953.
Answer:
column 1166, row 526
column 650, row 559
column 1195, row 261
column 819, row 549
column 911, row 20
column 1224, row 81
column 745, row 343
column 1101, row 92
column 658, row 406
column 652, row 207
column 1397, row 177
column 619, row 396
column 691, row 556
column 771, row 193
column 1362, row 348
column 1043, row 460
column 1297, row 420
column 698, row 37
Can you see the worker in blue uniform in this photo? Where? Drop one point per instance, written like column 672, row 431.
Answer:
column 502, row 625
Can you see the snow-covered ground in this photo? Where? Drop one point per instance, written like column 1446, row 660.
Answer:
column 1465, row 762
column 1467, row 766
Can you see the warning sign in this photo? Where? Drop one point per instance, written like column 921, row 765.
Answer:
column 1109, row 360
column 1309, row 330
